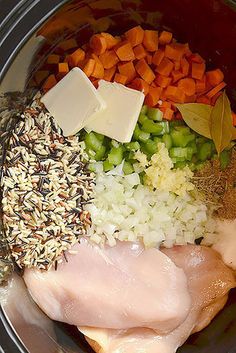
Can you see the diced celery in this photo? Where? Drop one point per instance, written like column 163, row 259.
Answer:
column 92, row 141
column 193, row 145
column 100, row 137
column 100, row 153
column 115, row 143
column 107, row 166
column 144, row 110
column 189, row 153
column 165, row 128
column 224, row 159
column 181, row 140
column 132, row 146
column 116, row 155
column 174, row 123
column 166, row 138
column 92, row 167
column 144, row 136
column 151, row 147
column 142, row 118
column 155, row 114
column 180, row 165
column 178, row 152
column 128, row 168
column 204, row 151
column 185, row 130
column 136, row 132
column 152, row 127
column 157, row 139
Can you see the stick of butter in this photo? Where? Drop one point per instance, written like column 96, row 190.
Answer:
column 73, row 101
column 119, row 118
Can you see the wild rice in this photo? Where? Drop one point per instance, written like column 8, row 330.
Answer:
column 45, row 187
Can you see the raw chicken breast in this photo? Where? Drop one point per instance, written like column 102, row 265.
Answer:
column 209, row 281
column 121, row 287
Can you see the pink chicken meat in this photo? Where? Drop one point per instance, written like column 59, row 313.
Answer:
column 128, row 299
column 120, row 288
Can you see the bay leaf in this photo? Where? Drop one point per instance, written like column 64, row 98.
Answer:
column 197, row 117
column 221, row 123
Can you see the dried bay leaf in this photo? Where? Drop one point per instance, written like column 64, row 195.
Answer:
column 197, row 117
column 221, row 123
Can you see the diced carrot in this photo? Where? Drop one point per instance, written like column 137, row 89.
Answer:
column 139, row 52
column 49, row 83
column 150, row 40
column 215, row 97
column 149, row 59
column 198, row 70
column 94, row 81
column 82, row 63
column 98, row 71
column 216, row 89
column 76, row 56
column 214, row 77
column 120, row 78
column 177, row 65
column 184, row 64
column 165, row 37
column 128, row 70
column 98, row 44
column 153, row 84
column 188, row 86
column 190, row 99
column 68, row 44
column 201, row 85
column 124, row 51
column 157, row 57
column 168, row 113
column 89, row 67
column 109, row 73
column 63, row 68
column 175, row 51
column 40, row 76
column 166, row 105
column 196, row 58
column 135, row 35
column 163, row 81
column 140, row 85
column 175, row 94
column 109, row 59
column 177, row 75
column 145, row 71
column 165, row 67
column 153, row 96
column 111, row 41
column 53, row 59
column 234, row 118
column 203, row 99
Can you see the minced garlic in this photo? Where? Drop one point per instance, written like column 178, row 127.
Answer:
column 160, row 174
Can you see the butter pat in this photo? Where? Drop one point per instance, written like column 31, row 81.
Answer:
column 73, row 101
column 119, row 118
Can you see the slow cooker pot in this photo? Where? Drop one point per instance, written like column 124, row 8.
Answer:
column 30, row 30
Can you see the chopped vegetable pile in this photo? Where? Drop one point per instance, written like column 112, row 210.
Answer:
column 168, row 215
column 154, row 62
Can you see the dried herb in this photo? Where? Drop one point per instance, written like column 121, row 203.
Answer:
column 221, row 123
column 197, row 117
column 211, row 122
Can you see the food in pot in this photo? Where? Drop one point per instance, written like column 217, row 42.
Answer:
column 115, row 194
